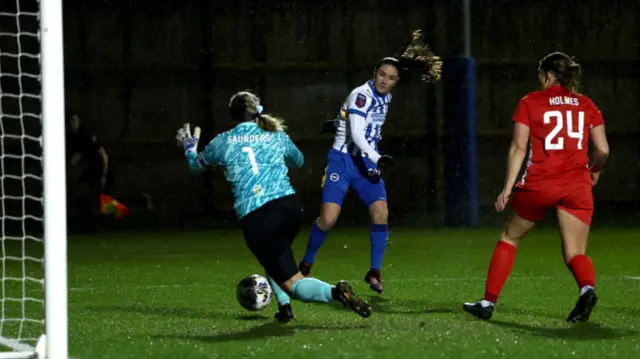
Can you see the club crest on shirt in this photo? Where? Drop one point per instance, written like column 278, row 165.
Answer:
column 361, row 100
column 257, row 190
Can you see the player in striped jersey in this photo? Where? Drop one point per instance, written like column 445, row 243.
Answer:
column 255, row 155
column 354, row 161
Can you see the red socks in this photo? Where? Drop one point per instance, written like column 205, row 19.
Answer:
column 582, row 269
column 499, row 269
column 502, row 263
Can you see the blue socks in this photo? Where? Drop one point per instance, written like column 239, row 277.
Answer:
column 312, row 290
column 316, row 239
column 379, row 238
column 281, row 296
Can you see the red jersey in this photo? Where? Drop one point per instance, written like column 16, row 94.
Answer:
column 560, row 122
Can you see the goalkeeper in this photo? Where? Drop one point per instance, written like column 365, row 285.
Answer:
column 355, row 161
column 254, row 156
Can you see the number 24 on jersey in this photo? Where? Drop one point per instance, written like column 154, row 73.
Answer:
column 554, row 141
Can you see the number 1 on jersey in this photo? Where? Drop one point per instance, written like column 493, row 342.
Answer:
column 252, row 159
column 549, row 143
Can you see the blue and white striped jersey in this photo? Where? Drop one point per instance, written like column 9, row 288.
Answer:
column 255, row 164
column 366, row 103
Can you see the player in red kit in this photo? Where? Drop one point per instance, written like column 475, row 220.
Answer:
column 559, row 122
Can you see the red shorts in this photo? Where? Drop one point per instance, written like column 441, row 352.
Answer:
column 531, row 202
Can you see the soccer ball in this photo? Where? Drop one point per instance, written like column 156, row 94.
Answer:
column 254, row 293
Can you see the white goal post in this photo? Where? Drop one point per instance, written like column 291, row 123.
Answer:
column 33, row 221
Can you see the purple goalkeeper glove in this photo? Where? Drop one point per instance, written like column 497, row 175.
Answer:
column 186, row 140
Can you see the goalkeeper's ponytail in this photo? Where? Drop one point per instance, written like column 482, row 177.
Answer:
column 245, row 106
column 271, row 123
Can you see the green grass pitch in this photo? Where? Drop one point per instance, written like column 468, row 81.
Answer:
column 172, row 295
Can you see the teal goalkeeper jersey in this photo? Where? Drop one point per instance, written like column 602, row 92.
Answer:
column 255, row 164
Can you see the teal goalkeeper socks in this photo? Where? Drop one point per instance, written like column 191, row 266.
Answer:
column 312, row 290
column 281, row 296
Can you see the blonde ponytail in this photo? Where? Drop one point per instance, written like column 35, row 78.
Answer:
column 271, row 123
column 246, row 103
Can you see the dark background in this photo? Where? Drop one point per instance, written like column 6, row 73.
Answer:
column 136, row 70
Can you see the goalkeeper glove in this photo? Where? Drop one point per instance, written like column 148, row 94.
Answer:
column 186, row 140
column 329, row 126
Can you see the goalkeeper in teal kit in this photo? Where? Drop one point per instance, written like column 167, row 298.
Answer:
column 238, row 150
column 254, row 156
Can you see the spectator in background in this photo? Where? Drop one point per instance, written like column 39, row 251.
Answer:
column 82, row 144
column 92, row 192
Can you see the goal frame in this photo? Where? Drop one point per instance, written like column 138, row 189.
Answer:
column 55, row 193
column 53, row 343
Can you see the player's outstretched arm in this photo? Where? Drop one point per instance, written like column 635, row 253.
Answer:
column 292, row 155
column 599, row 142
column 601, row 151
column 197, row 162
column 209, row 158
column 357, row 128
column 517, row 153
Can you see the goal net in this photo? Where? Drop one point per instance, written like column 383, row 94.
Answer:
column 29, row 128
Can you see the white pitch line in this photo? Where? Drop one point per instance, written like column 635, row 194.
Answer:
column 632, row 278
column 16, row 345
column 21, row 347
